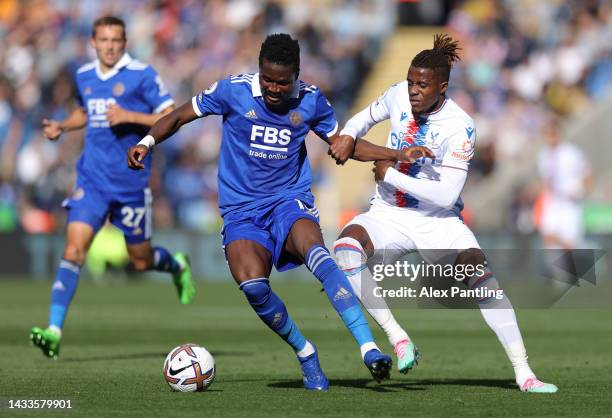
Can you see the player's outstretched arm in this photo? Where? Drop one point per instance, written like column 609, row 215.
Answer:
column 366, row 151
column 117, row 115
column 53, row 129
column 161, row 130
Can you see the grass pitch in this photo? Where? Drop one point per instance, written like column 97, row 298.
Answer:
column 118, row 334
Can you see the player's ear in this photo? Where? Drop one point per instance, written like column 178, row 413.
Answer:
column 443, row 87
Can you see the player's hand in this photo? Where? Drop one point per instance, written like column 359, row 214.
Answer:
column 116, row 115
column 342, row 148
column 135, row 156
column 380, row 168
column 51, row 129
column 411, row 154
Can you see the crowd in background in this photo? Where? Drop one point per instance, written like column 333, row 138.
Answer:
column 191, row 44
column 525, row 61
column 521, row 61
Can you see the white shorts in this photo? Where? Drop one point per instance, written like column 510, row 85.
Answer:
column 398, row 231
column 563, row 220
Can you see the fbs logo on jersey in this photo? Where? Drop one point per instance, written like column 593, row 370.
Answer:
column 270, row 135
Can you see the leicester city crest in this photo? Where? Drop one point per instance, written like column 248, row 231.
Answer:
column 295, row 118
column 118, row 89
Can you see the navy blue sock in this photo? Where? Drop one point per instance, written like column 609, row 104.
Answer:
column 62, row 291
column 272, row 311
column 164, row 261
column 339, row 292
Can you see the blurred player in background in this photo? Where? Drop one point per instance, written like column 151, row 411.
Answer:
column 264, row 191
column 566, row 178
column 119, row 98
column 417, row 206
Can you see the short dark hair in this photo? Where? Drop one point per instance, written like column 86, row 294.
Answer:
column 281, row 48
column 107, row 21
column 441, row 57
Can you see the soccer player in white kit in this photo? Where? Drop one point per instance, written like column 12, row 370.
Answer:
column 566, row 177
column 416, row 206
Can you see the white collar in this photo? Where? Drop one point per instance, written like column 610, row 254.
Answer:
column 123, row 61
column 256, row 88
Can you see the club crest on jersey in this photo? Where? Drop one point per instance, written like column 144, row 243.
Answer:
column 118, row 89
column 78, row 194
column 295, row 118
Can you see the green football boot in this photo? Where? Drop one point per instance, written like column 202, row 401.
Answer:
column 533, row 385
column 47, row 340
column 407, row 355
column 183, row 280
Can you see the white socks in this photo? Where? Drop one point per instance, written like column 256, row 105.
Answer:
column 499, row 316
column 351, row 259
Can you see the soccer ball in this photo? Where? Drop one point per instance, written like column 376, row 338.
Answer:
column 189, row 368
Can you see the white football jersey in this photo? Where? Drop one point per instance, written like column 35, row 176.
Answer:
column 448, row 132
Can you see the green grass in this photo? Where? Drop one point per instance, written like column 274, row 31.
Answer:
column 118, row 334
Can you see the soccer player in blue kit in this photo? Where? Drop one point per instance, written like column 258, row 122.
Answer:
column 264, row 191
column 119, row 99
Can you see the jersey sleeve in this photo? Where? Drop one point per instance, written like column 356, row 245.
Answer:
column 155, row 92
column 324, row 124
column 460, row 149
column 213, row 100
column 376, row 112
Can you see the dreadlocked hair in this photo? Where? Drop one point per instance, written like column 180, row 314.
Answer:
column 441, row 57
column 281, row 48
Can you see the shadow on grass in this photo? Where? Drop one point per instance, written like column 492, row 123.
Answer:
column 136, row 356
column 368, row 384
column 393, row 385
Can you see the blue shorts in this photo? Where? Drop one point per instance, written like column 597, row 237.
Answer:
column 131, row 214
column 269, row 227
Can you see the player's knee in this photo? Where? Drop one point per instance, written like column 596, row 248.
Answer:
column 140, row 263
column 348, row 246
column 74, row 253
column 471, row 256
column 257, row 291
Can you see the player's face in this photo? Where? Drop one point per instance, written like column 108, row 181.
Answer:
column 276, row 83
column 425, row 89
column 109, row 43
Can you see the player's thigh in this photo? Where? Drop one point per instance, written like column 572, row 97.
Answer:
column 385, row 230
column 141, row 255
column 248, row 260
column 133, row 216
column 448, row 240
column 79, row 236
column 303, row 235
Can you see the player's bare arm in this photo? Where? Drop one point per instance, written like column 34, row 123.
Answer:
column 164, row 128
column 366, row 151
column 341, row 148
column 117, row 115
column 53, row 129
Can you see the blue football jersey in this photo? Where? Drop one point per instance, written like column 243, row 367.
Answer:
column 263, row 154
column 133, row 86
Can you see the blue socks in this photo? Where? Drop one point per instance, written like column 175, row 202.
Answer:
column 164, row 261
column 62, row 291
column 272, row 311
column 340, row 293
